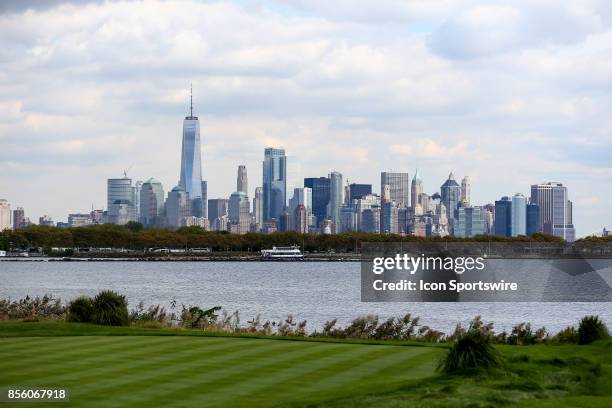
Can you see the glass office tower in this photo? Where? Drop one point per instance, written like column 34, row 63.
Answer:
column 274, row 183
column 191, row 162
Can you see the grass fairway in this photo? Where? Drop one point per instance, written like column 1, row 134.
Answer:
column 206, row 371
column 126, row 367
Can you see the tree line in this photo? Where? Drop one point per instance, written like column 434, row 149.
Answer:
column 134, row 237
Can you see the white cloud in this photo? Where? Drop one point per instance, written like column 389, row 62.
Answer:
column 88, row 89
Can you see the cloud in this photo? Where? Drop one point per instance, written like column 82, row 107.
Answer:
column 88, row 88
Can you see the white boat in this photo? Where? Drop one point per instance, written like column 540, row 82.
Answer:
column 292, row 252
column 2, row 253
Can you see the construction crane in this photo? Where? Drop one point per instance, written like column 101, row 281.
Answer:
column 125, row 172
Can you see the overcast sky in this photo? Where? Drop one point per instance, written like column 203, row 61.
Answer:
column 509, row 93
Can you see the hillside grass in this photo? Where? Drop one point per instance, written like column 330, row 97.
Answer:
column 128, row 366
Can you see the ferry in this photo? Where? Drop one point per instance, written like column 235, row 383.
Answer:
column 292, row 252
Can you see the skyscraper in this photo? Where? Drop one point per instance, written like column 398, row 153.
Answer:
column 120, row 200
column 320, row 196
column 242, row 184
column 177, row 207
column 151, row 202
column 519, row 215
column 336, row 191
column 503, row 217
column 204, row 199
column 258, row 207
column 533, row 219
column 191, row 161
column 239, row 212
column 465, row 191
column 470, row 222
column 274, row 183
column 450, row 193
column 416, row 190
column 5, row 215
column 555, row 209
column 18, row 218
column 399, row 187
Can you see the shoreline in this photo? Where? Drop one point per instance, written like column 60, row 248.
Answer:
column 179, row 259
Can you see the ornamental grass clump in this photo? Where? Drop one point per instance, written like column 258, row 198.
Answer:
column 591, row 328
column 80, row 310
column 110, row 309
column 472, row 350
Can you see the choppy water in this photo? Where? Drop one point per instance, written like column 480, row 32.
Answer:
column 312, row 291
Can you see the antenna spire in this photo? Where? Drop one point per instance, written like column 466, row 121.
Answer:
column 191, row 100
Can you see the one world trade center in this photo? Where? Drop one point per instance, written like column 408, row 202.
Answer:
column 191, row 161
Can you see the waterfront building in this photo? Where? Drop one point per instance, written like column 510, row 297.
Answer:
column 364, row 203
column 320, row 196
column 178, row 206
column 555, row 209
column 416, row 191
column 606, row 233
column 242, row 183
column 532, row 220
column 191, row 162
column 519, row 215
column 274, row 183
column 357, row 191
column 5, row 215
column 151, row 202
column 336, row 199
column 503, row 217
column 18, row 218
column 240, row 212
column 399, row 187
column 470, row 222
column 465, row 191
column 120, row 200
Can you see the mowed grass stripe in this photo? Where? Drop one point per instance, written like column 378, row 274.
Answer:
column 17, row 348
column 277, row 376
column 367, row 373
column 331, row 375
column 203, row 379
column 66, row 365
column 108, row 367
column 148, row 376
column 42, row 357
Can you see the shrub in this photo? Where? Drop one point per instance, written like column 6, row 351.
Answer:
column 591, row 328
column 567, row 335
column 80, row 310
column 110, row 309
column 472, row 350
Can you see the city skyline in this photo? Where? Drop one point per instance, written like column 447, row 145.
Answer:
column 64, row 134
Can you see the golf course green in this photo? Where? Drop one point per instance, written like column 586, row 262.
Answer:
column 125, row 367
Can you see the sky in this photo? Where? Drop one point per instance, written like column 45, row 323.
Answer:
column 510, row 93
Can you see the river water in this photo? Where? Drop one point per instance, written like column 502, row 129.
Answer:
column 312, row 291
